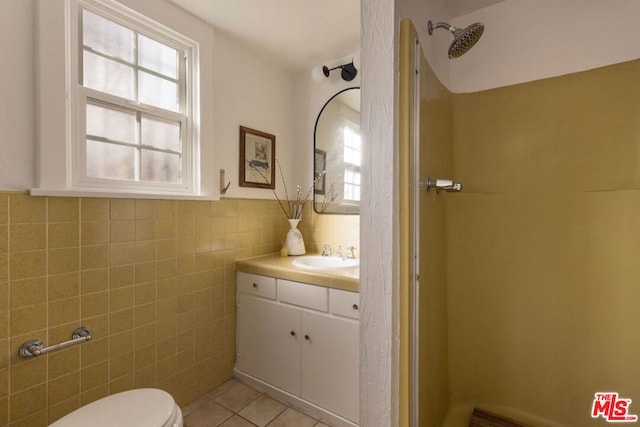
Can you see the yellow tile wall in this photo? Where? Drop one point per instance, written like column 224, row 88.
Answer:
column 334, row 230
column 154, row 279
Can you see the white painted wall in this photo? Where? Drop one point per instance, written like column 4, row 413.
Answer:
column 420, row 12
column 526, row 40
column 17, row 108
column 246, row 91
column 310, row 97
column 252, row 92
column 379, row 268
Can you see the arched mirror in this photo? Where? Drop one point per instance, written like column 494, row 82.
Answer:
column 338, row 154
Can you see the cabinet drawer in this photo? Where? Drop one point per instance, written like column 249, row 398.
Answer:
column 344, row 303
column 254, row 284
column 303, row 295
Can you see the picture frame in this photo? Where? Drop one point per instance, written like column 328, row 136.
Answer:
column 319, row 165
column 257, row 159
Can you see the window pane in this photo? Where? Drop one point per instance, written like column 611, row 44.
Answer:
column 352, row 146
column 107, row 76
column 157, row 57
column 157, row 92
column 351, row 192
column 160, row 167
column 351, row 184
column 107, row 37
column 161, row 134
column 110, row 161
column 140, row 146
column 351, row 156
column 112, row 124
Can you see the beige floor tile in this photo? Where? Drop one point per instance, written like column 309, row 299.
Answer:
column 198, row 403
column 238, row 397
column 252, row 409
column 262, row 410
column 292, row 418
column 223, row 388
column 208, row 414
column 237, row 421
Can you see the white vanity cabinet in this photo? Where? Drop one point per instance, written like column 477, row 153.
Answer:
column 330, row 364
column 268, row 346
column 302, row 339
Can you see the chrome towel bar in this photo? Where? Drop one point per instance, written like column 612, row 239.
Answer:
column 33, row 348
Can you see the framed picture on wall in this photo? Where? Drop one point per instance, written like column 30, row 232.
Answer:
column 319, row 166
column 257, row 159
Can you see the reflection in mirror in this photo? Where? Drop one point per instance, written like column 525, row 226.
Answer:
column 338, row 152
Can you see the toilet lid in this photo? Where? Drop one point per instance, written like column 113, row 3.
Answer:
column 146, row 407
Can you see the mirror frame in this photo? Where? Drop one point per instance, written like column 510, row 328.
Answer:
column 356, row 211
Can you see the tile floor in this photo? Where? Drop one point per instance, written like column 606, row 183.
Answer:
column 234, row 404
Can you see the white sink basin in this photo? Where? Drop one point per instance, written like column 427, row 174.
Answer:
column 319, row 262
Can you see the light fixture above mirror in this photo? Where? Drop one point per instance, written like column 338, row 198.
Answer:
column 348, row 70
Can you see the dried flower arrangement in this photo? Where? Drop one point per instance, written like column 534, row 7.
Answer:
column 292, row 208
column 329, row 197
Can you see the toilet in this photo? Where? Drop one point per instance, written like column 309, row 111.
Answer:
column 145, row 407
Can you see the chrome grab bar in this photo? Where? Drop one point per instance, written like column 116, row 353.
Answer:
column 33, row 348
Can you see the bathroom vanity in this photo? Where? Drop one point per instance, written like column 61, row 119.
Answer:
column 298, row 336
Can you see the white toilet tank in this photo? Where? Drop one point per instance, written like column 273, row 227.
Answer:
column 145, row 407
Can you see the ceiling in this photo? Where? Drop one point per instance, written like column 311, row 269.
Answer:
column 462, row 7
column 297, row 33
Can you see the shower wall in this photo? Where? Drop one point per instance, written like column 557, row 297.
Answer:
column 543, row 245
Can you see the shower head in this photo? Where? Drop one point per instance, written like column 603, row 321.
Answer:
column 463, row 40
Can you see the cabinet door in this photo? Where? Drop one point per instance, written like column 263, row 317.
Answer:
column 330, row 363
column 268, row 342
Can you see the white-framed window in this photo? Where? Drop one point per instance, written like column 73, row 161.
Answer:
column 131, row 103
column 352, row 158
column 134, row 117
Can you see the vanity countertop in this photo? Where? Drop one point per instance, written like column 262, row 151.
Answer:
column 347, row 279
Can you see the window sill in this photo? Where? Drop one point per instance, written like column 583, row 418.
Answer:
column 114, row 194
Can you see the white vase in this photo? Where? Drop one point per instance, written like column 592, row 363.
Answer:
column 294, row 242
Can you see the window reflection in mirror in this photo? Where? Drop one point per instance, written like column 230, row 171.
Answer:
column 338, row 154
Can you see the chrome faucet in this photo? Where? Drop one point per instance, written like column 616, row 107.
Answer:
column 338, row 253
column 326, row 250
column 350, row 252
